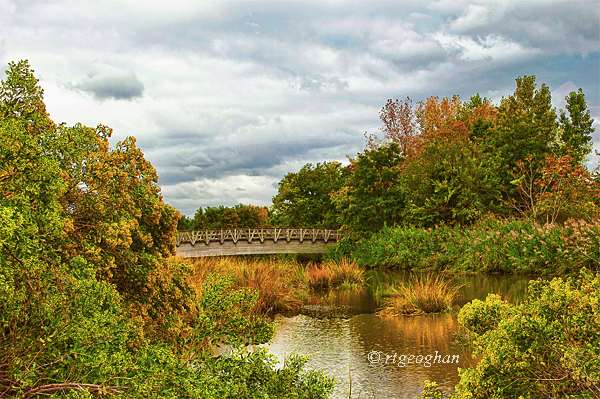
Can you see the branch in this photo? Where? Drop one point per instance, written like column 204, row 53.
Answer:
column 585, row 254
column 28, row 280
column 72, row 385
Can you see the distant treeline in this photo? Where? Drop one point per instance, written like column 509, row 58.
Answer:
column 222, row 217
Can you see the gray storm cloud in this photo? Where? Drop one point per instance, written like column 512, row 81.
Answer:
column 116, row 86
column 227, row 97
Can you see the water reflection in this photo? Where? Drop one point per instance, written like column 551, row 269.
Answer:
column 339, row 330
column 510, row 288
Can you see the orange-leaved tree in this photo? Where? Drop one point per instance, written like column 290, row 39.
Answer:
column 557, row 190
column 399, row 126
column 434, row 114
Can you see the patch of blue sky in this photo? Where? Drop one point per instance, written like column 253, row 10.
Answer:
column 343, row 41
column 558, row 69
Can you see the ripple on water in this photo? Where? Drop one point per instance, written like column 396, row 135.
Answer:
column 341, row 347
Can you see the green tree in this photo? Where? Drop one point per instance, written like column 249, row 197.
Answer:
column 303, row 197
column 526, row 126
column 214, row 217
column 199, row 221
column 576, row 129
column 185, row 223
column 22, row 99
column 451, row 181
column 89, row 202
column 251, row 216
column 373, row 195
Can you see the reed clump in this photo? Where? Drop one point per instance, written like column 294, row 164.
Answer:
column 278, row 283
column 419, row 296
column 281, row 284
column 344, row 274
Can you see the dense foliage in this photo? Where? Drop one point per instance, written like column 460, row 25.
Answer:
column 91, row 303
column 559, row 190
column 508, row 246
column 444, row 161
column 372, row 196
column 547, row 346
column 453, row 181
column 303, row 198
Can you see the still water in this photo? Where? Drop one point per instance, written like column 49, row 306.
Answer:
column 345, row 338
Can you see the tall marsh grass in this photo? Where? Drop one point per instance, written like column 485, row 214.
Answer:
column 344, row 274
column 419, row 296
column 275, row 281
column 281, row 283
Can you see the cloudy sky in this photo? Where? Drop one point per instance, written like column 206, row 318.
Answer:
column 226, row 97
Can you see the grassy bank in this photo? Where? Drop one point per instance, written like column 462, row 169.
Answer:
column 507, row 246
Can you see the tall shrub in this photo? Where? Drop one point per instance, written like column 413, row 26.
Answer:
column 547, row 346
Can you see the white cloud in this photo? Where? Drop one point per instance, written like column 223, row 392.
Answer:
column 229, row 191
column 474, row 15
column 556, row 26
column 491, row 47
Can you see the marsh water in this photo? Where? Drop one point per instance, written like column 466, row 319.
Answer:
column 344, row 337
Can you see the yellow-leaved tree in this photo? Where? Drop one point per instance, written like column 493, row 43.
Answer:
column 91, row 300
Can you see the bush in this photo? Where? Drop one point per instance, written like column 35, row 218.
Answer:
column 478, row 316
column 507, row 246
column 548, row 346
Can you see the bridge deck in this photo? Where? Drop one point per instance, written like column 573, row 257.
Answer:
column 200, row 243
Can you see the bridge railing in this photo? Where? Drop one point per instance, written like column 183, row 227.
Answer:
column 274, row 234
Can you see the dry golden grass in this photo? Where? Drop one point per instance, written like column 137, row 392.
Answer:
column 281, row 284
column 275, row 281
column 420, row 296
column 343, row 274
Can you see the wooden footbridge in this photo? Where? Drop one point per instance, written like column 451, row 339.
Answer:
column 194, row 244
